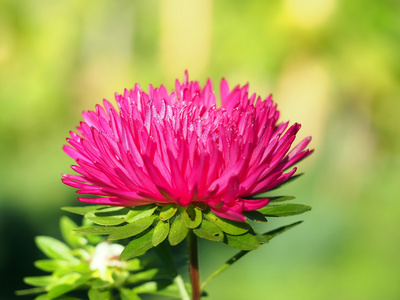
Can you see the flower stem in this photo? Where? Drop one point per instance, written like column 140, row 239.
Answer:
column 194, row 266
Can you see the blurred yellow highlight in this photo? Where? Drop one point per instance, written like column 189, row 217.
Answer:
column 309, row 13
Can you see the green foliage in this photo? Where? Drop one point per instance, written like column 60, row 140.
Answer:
column 148, row 226
column 71, row 268
column 284, row 210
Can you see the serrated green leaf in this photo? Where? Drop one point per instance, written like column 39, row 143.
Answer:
column 255, row 216
column 54, row 248
column 178, row 231
column 160, row 232
column 127, row 294
column 168, row 211
column 138, row 245
column 280, row 198
column 51, row 265
column 140, row 212
column 40, row 280
column 209, row 231
column 134, row 228
column 192, row 217
column 101, row 230
column 228, row 226
column 273, row 233
column 72, row 238
column 245, row 241
column 284, row 210
column 95, row 294
column 82, row 210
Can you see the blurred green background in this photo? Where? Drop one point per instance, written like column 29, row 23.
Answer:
column 332, row 65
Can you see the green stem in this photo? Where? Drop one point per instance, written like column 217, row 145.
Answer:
column 181, row 287
column 194, row 266
column 225, row 266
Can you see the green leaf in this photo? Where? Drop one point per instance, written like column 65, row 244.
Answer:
column 255, row 216
column 209, row 231
column 59, row 290
column 127, row 294
column 160, row 232
column 178, row 231
column 192, row 217
column 134, row 228
column 53, row 248
column 273, row 233
column 284, row 210
column 82, row 210
column 281, row 198
column 107, row 220
column 72, row 238
column 168, row 211
column 51, row 265
column 245, row 241
column 42, row 297
column 95, row 230
column 147, row 275
column 40, row 280
column 31, row 291
column 228, row 226
column 95, row 294
column 138, row 245
column 140, row 212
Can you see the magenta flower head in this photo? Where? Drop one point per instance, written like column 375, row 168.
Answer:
column 184, row 148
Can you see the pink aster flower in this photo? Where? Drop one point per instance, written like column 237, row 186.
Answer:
column 180, row 147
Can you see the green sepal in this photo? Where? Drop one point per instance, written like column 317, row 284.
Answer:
column 245, row 241
column 178, row 231
column 168, row 211
column 100, row 230
column 54, row 248
column 192, row 217
column 228, row 226
column 209, row 231
column 127, row 294
column 280, row 198
column 160, row 232
column 255, row 216
column 82, row 210
column 95, row 294
column 132, row 229
column 283, row 210
column 51, row 265
column 140, row 212
column 138, row 245
column 107, row 216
